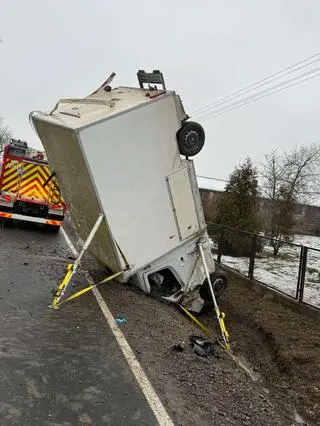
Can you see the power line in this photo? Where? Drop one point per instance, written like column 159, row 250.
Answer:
column 263, row 82
column 251, row 90
column 256, row 97
column 269, row 89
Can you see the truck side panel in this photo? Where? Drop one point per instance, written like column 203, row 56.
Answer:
column 65, row 155
column 129, row 157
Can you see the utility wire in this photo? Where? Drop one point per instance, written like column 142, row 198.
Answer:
column 260, row 83
column 256, row 97
column 204, row 110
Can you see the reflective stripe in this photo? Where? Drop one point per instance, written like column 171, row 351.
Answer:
column 27, row 180
column 54, row 222
column 26, row 218
column 6, row 215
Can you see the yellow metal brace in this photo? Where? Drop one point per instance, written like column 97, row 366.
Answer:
column 72, row 268
column 224, row 330
column 63, row 284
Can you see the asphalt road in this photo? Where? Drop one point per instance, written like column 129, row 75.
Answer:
column 57, row 367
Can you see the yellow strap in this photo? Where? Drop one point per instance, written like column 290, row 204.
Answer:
column 199, row 324
column 205, row 329
column 85, row 290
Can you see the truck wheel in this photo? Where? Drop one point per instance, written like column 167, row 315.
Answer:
column 219, row 282
column 190, row 138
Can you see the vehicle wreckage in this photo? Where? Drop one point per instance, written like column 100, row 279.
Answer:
column 121, row 157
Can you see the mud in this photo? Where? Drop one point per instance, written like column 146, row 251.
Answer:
column 282, row 343
column 246, row 389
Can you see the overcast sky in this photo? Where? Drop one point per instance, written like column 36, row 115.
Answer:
column 206, row 49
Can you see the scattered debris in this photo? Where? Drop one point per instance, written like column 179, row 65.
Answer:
column 204, row 348
column 179, row 348
column 200, row 346
column 120, row 320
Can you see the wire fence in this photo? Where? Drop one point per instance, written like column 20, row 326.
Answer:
column 291, row 269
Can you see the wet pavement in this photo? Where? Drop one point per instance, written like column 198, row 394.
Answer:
column 59, row 367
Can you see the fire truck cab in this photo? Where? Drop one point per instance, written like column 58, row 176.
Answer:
column 28, row 188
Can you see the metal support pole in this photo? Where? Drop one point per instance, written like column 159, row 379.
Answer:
column 303, row 273
column 220, row 315
column 73, row 268
column 299, row 274
column 254, row 243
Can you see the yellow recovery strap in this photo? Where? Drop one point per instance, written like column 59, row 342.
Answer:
column 56, row 304
column 195, row 320
column 226, row 346
column 72, row 268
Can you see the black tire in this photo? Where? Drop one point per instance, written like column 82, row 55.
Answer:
column 219, row 282
column 191, row 138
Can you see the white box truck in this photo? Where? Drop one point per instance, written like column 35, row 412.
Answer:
column 120, row 152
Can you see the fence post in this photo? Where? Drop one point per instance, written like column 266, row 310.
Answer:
column 302, row 273
column 254, row 242
column 220, row 244
column 219, row 251
column 299, row 274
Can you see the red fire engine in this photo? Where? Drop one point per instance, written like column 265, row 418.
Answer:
column 28, row 189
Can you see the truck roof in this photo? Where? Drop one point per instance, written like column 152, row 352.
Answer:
column 101, row 104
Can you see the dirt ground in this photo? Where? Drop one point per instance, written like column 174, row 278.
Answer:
column 282, row 344
column 279, row 348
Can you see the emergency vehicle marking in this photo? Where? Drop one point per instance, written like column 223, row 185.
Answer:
column 28, row 180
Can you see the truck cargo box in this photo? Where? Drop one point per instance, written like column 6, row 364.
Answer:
column 116, row 152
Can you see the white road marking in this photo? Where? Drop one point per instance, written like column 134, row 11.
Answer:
column 146, row 387
column 70, row 245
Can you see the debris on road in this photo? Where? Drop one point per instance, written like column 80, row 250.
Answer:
column 160, row 338
column 204, row 348
column 180, row 347
column 120, row 320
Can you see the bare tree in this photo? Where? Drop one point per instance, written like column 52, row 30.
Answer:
column 5, row 135
column 288, row 179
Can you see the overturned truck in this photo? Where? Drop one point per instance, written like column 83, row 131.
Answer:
column 125, row 153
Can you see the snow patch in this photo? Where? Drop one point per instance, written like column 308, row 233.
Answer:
column 281, row 272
